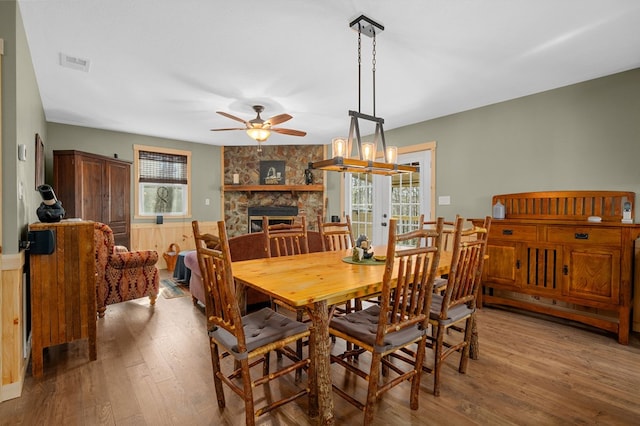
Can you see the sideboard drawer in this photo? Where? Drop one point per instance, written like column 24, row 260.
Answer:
column 584, row 235
column 506, row 231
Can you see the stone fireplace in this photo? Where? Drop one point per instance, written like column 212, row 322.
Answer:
column 239, row 199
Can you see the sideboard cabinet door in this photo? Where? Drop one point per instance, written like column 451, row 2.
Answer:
column 592, row 274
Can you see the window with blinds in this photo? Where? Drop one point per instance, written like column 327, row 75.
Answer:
column 162, row 181
column 159, row 167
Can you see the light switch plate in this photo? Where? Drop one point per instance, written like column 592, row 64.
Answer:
column 444, row 200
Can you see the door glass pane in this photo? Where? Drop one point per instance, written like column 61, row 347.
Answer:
column 361, row 203
column 405, row 200
column 372, row 200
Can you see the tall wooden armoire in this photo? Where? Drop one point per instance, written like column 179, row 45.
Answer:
column 95, row 187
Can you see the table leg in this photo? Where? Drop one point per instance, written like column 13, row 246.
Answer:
column 321, row 398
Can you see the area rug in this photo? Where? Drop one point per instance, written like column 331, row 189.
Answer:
column 171, row 290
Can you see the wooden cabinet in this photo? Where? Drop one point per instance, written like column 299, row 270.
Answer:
column 592, row 274
column 555, row 262
column 94, row 187
column 63, row 290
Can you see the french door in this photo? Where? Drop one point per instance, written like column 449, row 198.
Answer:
column 371, row 200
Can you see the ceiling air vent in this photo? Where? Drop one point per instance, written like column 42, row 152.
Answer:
column 74, row 63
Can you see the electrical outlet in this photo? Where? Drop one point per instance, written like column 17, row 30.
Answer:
column 207, row 201
column 444, row 200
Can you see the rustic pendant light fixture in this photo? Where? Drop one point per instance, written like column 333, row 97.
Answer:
column 364, row 161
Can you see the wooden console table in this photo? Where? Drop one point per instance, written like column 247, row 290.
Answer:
column 63, row 290
column 545, row 256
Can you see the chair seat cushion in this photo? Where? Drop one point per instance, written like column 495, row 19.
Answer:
column 439, row 284
column 454, row 314
column 260, row 328
column 363, row 325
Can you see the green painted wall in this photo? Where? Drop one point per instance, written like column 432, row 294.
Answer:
column 583, row 136
column 22, row 118
column 205, row 161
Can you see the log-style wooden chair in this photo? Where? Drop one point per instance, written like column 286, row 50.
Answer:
column 248, row 339
column 400, row 320
column 455, row 309
column 287, row 239
column 448, row 237
column 284, row 239
column 336, row 235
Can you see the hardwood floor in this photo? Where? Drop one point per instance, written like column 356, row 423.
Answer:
column 154, row 368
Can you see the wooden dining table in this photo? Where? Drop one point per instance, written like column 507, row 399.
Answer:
column 317, row 281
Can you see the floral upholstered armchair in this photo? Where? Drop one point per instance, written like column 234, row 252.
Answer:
column 122, row 275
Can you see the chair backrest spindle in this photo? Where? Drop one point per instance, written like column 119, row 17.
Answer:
column 336, row 235
column 285, row 239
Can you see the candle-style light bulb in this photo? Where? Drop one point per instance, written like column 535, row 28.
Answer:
column 338, row 147
column 392, row 154
column 368, row 151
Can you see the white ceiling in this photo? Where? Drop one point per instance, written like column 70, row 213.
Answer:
column 163, row 67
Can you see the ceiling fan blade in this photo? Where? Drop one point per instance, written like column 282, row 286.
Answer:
column 277, row 119
column 232, row 128
column 233, row 117
column 290, row 132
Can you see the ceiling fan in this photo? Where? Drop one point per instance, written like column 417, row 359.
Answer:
column 260, row 129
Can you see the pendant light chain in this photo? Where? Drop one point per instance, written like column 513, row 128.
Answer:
column 359, row 70
column 373, row 70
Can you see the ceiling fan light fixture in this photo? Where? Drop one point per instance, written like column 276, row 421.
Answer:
column 259, row 129
column 259, row 134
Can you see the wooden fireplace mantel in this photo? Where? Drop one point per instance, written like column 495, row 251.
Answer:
column 273, row 188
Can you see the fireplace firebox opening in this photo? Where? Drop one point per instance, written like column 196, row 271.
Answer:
column 276, row 214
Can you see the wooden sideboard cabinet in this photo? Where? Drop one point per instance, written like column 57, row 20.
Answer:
column 95, row 187
column 545, row 256
column 63, row 290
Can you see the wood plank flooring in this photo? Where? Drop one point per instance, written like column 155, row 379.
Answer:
column 154, row 368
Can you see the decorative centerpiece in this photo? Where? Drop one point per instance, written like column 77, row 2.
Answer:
column 362, row 249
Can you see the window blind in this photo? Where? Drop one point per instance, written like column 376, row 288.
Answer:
column 157, row 167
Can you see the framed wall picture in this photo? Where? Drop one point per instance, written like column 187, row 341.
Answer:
column 272, row 172
column 39, row 161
